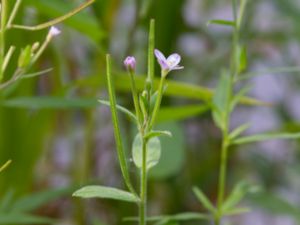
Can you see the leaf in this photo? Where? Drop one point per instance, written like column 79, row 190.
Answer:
column 34, row 201
column 265, row 137
column 241, row 94
column 153, row 151
column 221, row 99
column 84, row 22
column 243, row 63
column 173, row 154
column 221, row 22
column 238, row 193
column 186, row 216
column 175, row 88
column 275, row 204
column 236, row 211
column 157, row 133
column 105, row 192
column 30, row 75
column 239, row 130
column 49, row 103
column 5, row 165
column 204, row 200
column 167, row 114
column 121, row 109
column 21, row 218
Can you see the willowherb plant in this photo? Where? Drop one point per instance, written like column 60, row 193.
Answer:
column 146, row 147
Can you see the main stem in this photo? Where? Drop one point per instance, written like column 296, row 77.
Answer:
column 143, row 194
column 222, row 178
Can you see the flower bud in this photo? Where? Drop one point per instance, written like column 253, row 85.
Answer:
column 130, row 63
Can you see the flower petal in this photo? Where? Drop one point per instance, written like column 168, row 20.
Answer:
column 161, row 59
column 173, row 60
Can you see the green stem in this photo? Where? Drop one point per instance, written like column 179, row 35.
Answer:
column 143, row 194
column 158, row 101
column 2, row 34
column 222, row 178
column 135, row 98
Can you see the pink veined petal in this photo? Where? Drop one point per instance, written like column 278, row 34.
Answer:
column 173, row 60
column 161, row 59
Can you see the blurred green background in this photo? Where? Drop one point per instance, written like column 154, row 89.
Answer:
column 59, row 137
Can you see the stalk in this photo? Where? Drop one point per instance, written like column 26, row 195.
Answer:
column 143, row 194
column 4, row 9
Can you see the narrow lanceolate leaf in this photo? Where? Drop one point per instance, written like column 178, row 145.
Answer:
column 204, row 200
column 117, row 132
column 167, row 114
column 121, row 109
column 266, row 137
column 177, row 217
column 239, row 130
column 238, row 193
column 23, row 218
column 221, row 22
column 236, row 211
column 105, row 192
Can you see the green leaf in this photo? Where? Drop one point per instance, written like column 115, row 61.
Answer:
column 186, row 216
column 167, row 114
column 221, row 99
column 121, row 109
column 105, row 192
column 34, row 201
column 265, row 137
column 49, row 103
column 239, row 130
column 21, row 218
column 238, row 193
column 157, row 133
column 39, row 73
column 84, row 22
column 241, row 94
column 204, row 200
column 25, row 57
column 153, row 151
column 221, row 22
column 243, row 63
column 236, row 211
column 173, row 154
column 175, row 88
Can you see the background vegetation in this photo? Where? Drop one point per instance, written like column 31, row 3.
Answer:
column 59, row 137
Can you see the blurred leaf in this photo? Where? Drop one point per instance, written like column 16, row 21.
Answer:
column 83, row 22
column 238, row 193
column 239, row 130
column 266, row 137
column 157, row 133
column 204, row 200
column 172, row 154
column 239, row 95
column 221, row 99
column 175, row 88
column 275, row 204
column 30, row 75
column 121, row 109
column 221, row 22
column 36, row 200
column 5, row 165
column 243, row 61
column 167, row 114
column 186, row 216
column 236, row 211
column 20, row 218
column 153, row 151
column 105, row 192
column 49, row 103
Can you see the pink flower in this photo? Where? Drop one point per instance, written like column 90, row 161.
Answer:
column 53, row 31
column 130, row 63
column 170, row 63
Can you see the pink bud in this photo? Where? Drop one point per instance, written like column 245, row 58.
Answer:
column 130, row 63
